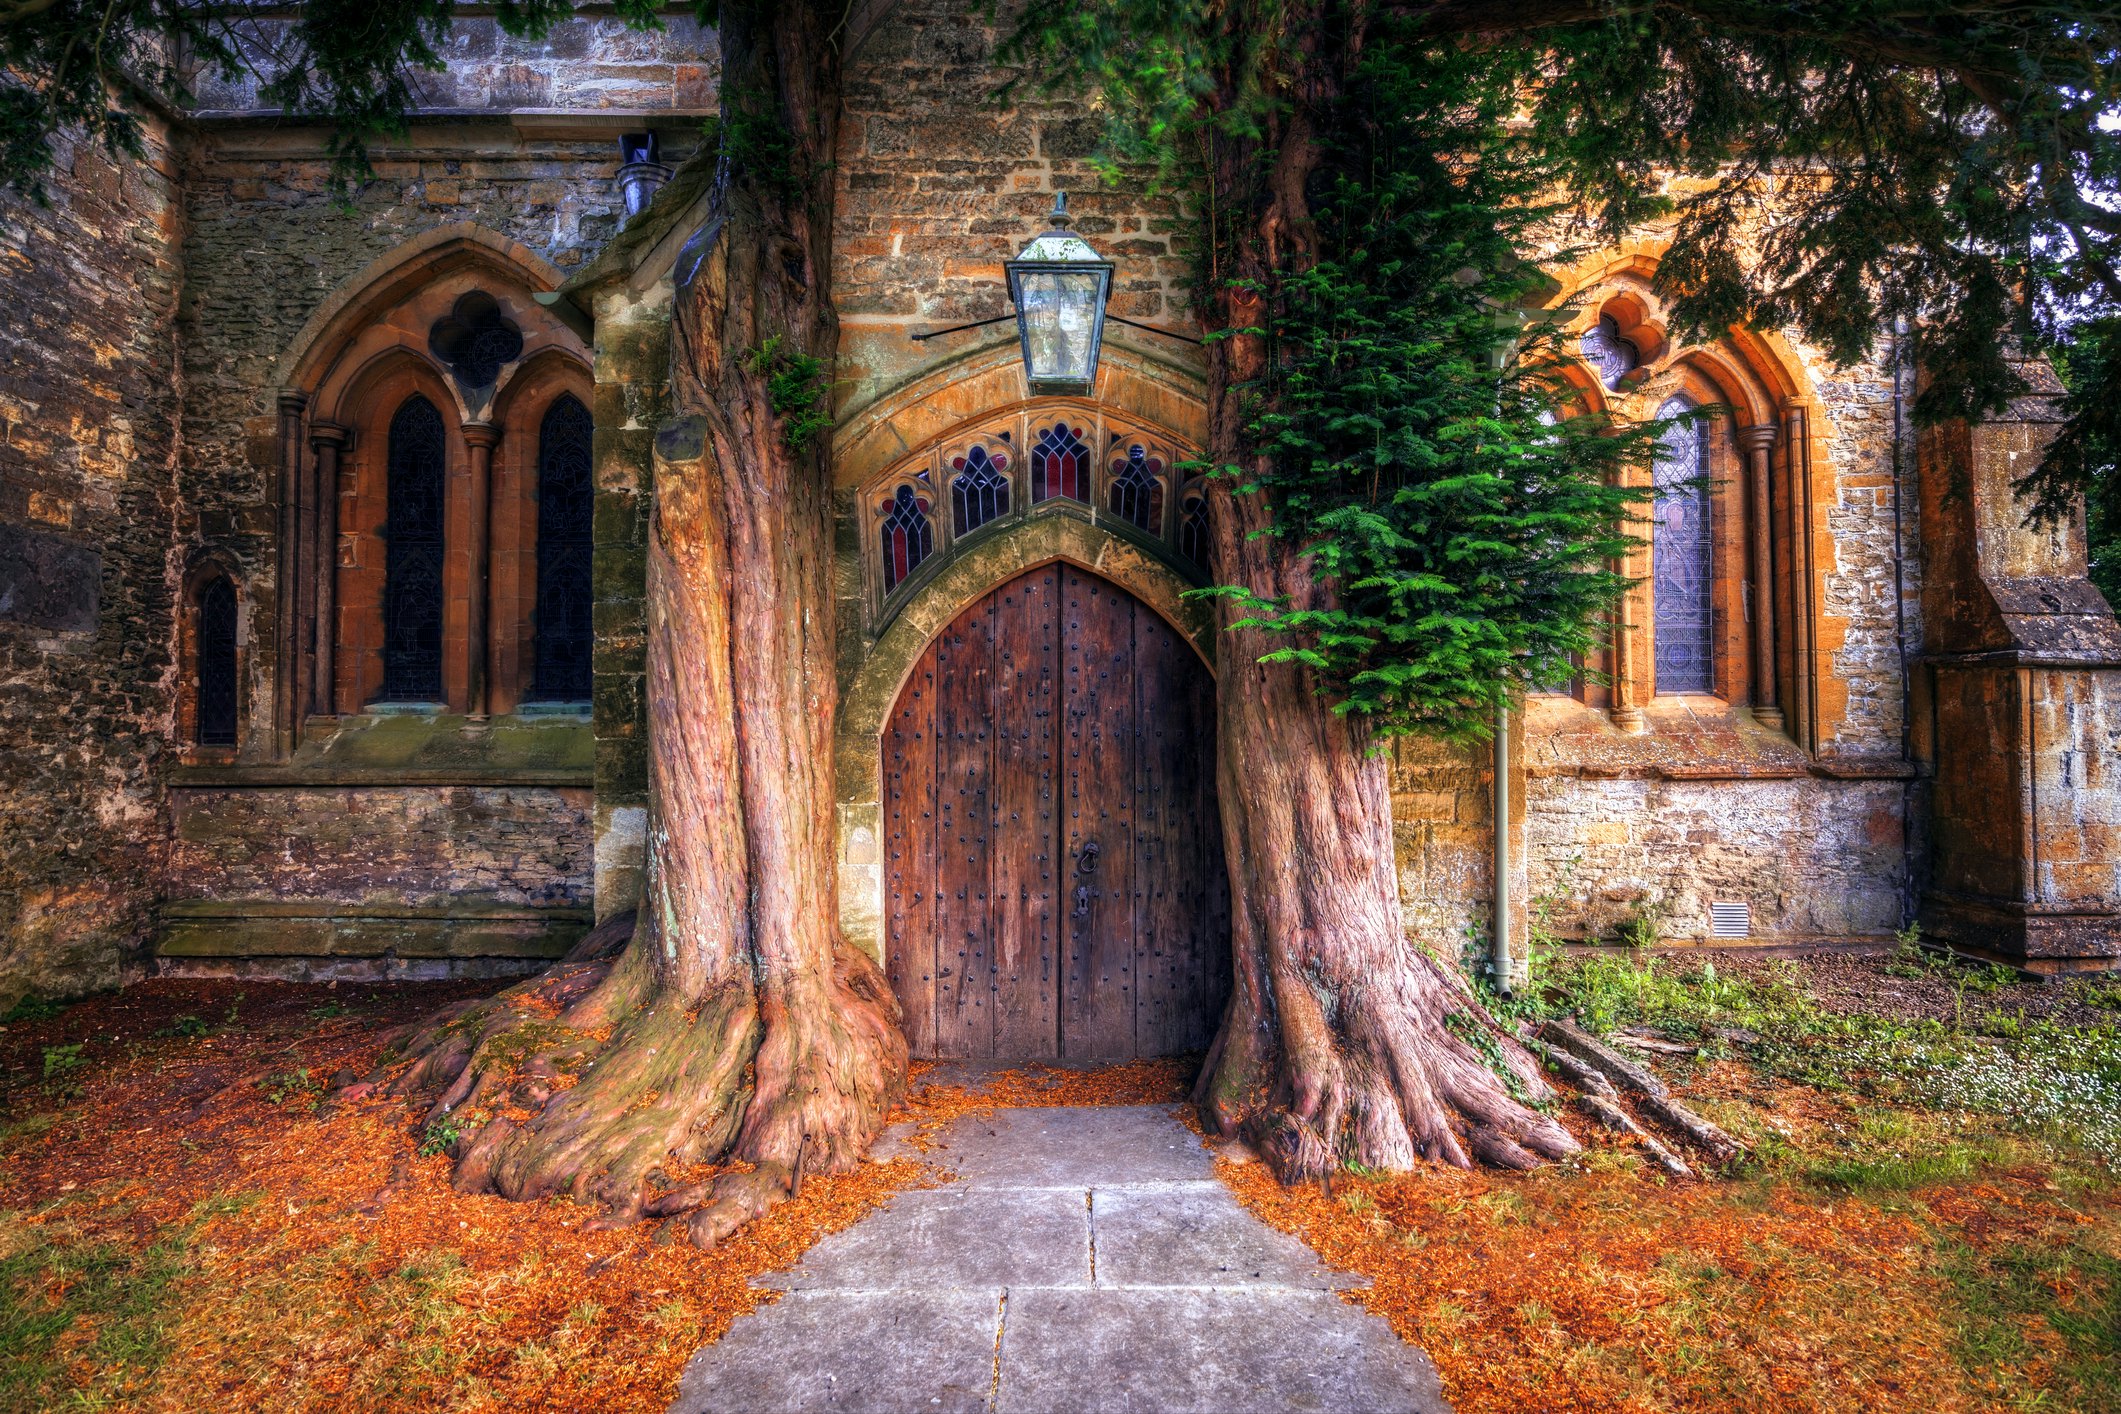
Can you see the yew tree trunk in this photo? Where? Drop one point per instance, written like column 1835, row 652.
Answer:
column 738, row 1024
column 1344, row 1041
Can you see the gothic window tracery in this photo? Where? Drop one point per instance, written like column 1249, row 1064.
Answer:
column 904, row 535
column 412, row 583
column 1136, row 492
column 475, row 340
column 566, row 504
column 1682, row 557
column 1060, row 464
column 216, row 663
column 1193, row 528
column 1016, row 467
column 979, row 492
column 1612, row 356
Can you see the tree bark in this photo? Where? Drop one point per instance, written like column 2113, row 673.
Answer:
column 1344, row 1042
column 738, row 1025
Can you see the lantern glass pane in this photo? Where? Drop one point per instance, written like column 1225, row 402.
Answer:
column 1059, row 310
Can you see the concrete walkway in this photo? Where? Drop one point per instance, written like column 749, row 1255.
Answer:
column 1083, row 1260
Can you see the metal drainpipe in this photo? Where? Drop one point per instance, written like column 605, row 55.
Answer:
column 1499, row 929
column 1907, row 695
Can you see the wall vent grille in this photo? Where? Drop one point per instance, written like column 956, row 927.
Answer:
column 1730, row 920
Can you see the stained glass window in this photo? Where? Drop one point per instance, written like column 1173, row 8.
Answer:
column 1682, row 558
column 979, row 492
column 566, row 504
column 1060, row 464
column 1604, row 349
column 412, row 562
column 1137, row 489
column 1193, row 529
column 217, row 663
column 904, row 536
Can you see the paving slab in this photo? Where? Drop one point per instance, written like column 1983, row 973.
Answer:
column 1205, row 1352
column 856, row 1352
column 1074, row 1148
column 955, row 1238
column 1081, row 1260
column 1196, row 1235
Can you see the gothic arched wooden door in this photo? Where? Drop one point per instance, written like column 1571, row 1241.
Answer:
column 1053, row 866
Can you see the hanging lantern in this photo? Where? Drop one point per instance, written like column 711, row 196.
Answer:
column 1060, row 287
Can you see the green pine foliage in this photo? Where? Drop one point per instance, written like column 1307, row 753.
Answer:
column 1828, row 167
column 1420, row 449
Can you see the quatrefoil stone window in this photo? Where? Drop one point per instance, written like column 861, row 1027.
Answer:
column 476, row 340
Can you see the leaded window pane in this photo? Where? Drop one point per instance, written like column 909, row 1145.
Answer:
column 1193, row 529
column 1060, row 465
column 1682, row 558
column 412, row 562
column 1612, row 356
column 905, row 537
column 566, row 507
column 1137, row 490
column 217, row 663
column 979, row 492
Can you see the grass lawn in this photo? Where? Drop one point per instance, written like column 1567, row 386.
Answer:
column 1928, row 1217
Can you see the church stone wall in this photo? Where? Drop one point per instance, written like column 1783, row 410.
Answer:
column 87, row 391
column 1694, row 810
column 1812, row 858
column 269, row 243
column 939, row 184
column 400, row 864
column 589, row 63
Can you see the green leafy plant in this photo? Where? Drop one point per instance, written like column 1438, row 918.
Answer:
column 440, row 1135
column 294, row 1084
column 58, row 1060
column 32, row 1008
column 796, row 384
column 1644, row 925
column 191, row 1026
column 1475, row 1032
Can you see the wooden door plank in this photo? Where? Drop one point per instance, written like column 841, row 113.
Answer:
column 1026, row 833
column 909, row 855
column 1210, row 876
column 964, row 736
column 1097, row 858
column 1166, row 886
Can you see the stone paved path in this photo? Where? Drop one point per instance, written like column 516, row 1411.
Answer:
column 1083, row 1260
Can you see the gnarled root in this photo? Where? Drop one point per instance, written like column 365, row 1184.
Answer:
column 595, row 1080
column 1411, row 1066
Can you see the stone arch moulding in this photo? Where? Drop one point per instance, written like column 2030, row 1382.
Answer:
column 397, row 276
column 374, row 331
column 1783, row 458
column 867, row 696
column 988, row 381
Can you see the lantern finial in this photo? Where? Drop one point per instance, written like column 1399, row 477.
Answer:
column 1059, row 215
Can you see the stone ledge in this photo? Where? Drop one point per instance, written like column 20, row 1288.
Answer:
column 263, row 928
column 222, row 777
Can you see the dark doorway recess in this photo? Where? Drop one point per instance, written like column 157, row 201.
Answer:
column 1053, row 867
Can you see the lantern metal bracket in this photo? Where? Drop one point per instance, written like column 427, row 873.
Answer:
column 1005, row 318
column 961, row 328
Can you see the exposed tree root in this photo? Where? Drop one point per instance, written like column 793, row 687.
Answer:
column 596, row 1082
column 1395, row 1078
